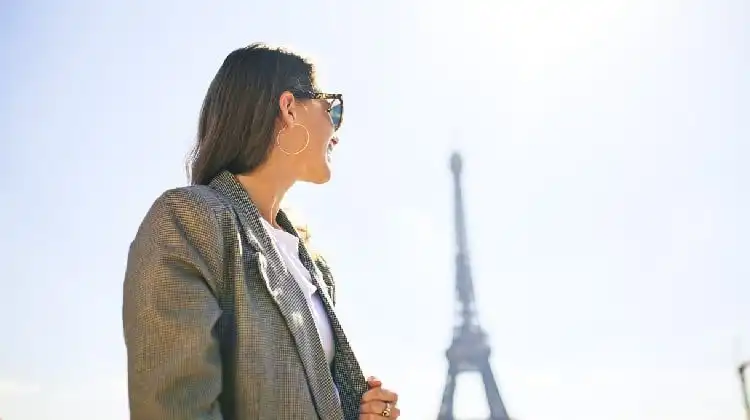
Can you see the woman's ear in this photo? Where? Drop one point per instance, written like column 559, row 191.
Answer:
column 287, row 111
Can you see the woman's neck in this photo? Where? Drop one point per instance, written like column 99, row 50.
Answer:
column 266, row 189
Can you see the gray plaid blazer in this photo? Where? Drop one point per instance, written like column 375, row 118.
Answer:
column 216, row 328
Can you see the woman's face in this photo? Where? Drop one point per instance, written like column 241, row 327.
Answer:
column 307, row 138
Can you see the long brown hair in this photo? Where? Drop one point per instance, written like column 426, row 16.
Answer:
column 236, row 124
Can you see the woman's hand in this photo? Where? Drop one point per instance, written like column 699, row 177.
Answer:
column 377, row 402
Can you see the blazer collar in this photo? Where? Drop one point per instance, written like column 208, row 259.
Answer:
column 285, row 292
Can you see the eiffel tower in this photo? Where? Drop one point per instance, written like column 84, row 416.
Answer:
column 469, row 351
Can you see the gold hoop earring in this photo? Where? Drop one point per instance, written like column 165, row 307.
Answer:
column 307, row 140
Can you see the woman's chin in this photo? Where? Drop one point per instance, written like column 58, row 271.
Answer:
column 320, row 176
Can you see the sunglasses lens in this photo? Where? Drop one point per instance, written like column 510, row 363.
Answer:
column 337, row 109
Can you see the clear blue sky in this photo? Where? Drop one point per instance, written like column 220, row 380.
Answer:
column 604, row 145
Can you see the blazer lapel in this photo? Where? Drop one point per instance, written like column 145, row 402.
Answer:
column 288, row 297
column 347, row 372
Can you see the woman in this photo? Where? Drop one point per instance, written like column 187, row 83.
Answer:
column 225, row 314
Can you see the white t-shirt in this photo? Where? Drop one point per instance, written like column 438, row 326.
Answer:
column 288, row 246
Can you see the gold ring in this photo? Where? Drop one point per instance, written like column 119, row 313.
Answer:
column 387, row 410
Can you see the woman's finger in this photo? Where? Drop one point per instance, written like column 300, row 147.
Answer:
column 376, row 409
column 380, row 394
column 373, row 382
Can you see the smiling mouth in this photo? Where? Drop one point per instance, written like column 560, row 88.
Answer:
column 331, row 144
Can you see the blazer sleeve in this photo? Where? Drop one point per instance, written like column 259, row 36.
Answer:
column 170, row 310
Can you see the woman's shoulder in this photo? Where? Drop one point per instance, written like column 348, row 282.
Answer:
column 201, row 196
column 192, row 207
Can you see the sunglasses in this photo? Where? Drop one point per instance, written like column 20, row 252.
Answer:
column 335, row 105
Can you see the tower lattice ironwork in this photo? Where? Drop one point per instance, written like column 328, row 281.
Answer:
column 469, row 350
